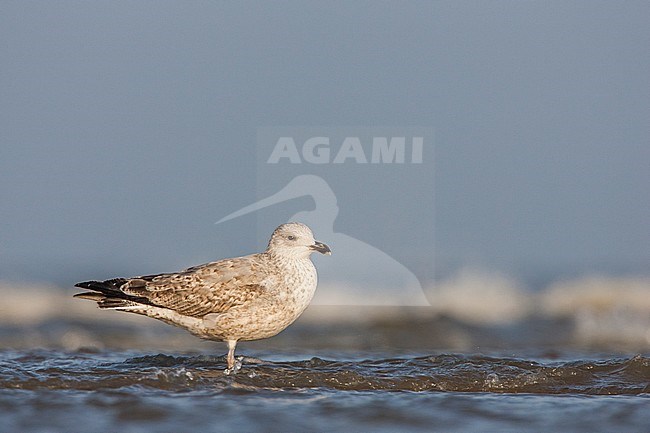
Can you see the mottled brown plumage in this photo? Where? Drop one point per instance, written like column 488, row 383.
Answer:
column 244, row 298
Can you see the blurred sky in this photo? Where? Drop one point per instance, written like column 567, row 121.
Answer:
column 128, row 128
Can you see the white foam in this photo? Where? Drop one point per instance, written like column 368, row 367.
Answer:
column 604, row 309
column 481, row 297
column 596, row 294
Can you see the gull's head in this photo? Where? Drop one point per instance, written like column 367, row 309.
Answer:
column 295, row 240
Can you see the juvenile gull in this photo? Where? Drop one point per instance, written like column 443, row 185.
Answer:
column 238, row 299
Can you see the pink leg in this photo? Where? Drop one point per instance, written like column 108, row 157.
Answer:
column 231, row 353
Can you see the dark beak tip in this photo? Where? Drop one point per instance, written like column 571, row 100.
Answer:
column 322, row 248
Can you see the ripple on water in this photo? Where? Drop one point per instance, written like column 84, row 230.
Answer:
column 458, row 373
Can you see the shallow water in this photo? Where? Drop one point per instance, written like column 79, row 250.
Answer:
column 50, row 390
column 581, row 366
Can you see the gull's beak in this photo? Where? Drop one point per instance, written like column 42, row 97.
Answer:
column 321, row 248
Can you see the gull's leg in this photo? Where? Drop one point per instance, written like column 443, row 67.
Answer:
column 233, row 366
column 231, row 353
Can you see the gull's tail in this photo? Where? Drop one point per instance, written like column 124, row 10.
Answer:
column 107, row 294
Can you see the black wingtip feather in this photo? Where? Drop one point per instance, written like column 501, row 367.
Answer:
column 108, row 286
column 107, row 293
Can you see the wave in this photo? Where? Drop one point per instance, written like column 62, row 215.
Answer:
column 52, row 370
column 602, row 309
column 481, row 297
column 594, row 311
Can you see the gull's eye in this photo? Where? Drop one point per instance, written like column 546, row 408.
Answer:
column 291, row 237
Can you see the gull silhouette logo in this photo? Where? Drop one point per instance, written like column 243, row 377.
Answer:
column 357, row 273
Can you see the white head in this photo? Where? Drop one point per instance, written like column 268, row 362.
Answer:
column 295, row 240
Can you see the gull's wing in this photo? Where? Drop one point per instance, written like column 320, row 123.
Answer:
column 213, row 287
